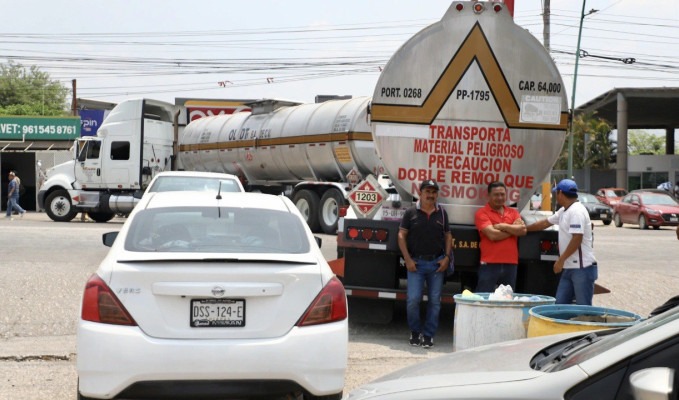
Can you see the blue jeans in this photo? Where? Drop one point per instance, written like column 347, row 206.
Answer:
column 492, row 275
column 426, row 272
column 13, row 205
column 577, row 283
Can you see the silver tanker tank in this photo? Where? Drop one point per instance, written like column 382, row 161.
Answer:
column 280, row 145
column 283, row 143
column 471, row 99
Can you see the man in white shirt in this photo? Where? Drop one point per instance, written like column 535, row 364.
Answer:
column 576, row 262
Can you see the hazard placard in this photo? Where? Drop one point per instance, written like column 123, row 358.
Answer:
column 353, row 177
column 367, row 197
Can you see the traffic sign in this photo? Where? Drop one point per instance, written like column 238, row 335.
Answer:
column 353, row 177
column 367, row 197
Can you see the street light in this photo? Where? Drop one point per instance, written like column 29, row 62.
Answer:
column 575, row 81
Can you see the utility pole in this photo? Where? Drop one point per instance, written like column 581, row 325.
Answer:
column 575, row 82
column 74, row 102
column 545, row 24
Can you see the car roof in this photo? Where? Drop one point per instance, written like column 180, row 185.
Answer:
column 198, row 174
column 209, row 199
column 650, row 191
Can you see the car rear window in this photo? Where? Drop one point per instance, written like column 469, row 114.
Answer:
column 216, row 230
column 193, row 183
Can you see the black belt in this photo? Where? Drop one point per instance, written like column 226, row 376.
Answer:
column 427, row 257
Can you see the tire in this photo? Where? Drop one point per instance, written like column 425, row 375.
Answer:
column 58, row 206
column 328, row 212
column 101, row 216
column 642, row 222
column 606, row 221
column 307, row 202
column 618, row 221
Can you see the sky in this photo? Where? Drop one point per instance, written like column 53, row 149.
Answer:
column 297, row 49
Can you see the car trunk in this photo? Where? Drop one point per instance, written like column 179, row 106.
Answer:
column 244, row 299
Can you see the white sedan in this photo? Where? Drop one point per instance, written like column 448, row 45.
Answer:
column 638, row 362
column 213, row 296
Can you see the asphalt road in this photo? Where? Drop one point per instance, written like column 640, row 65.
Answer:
column 44, row 266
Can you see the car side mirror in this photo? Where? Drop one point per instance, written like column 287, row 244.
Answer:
column 635, row 203
column 319, row 241
column 138, row 194
column 652, row 383
column 108, row 238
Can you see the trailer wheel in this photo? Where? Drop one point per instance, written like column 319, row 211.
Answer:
column 307, row 202
column 329, row 210
column 58, row 206
column 101, row 216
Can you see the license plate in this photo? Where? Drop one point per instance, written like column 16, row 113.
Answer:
column 603, row 216
column 392, row 214
column 217, row 313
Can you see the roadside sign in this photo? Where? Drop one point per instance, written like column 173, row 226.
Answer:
column 353, row 177
column 367, row 197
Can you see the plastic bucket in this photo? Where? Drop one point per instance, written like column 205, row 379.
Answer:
column 564, row 318
column 481, row 321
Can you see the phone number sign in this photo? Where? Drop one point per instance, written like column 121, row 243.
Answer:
column 367, row 197
column 39, row 128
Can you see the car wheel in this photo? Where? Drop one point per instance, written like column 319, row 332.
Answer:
column 642, row 222
column 101, row 216
column 618, row 221
column 58, row 206
column 307, row 203
column 606, row 221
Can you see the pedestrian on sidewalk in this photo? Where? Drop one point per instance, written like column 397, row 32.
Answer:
column 425, row 241
column 13, row 196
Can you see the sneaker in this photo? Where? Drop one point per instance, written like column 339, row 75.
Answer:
column 415, row 338
column 427, row 342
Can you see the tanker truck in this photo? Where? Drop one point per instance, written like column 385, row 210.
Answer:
column 471, row 99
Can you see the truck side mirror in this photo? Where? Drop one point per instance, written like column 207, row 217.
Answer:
column 652, row 383
column 108, row 238
column 138, row 194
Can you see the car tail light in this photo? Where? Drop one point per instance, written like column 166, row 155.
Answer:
column 353, row 233
column 100, row 304
column 329, row 306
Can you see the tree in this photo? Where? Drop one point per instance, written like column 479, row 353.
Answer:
column 600, row 149
column 29, row 91
column 642, row 142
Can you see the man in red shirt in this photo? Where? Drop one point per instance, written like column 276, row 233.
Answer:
column 499, row 227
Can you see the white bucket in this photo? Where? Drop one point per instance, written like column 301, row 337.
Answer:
column 481, row 321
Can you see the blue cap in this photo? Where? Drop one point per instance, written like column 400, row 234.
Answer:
column 567, row 186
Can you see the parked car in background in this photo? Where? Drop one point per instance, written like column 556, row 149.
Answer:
column 647, row 208
column 597, row 210
column 610, row 196
column 178, row 181
column 602, row 365
column 203, row 296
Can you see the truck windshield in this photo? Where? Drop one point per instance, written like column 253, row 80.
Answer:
column 216, row 230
